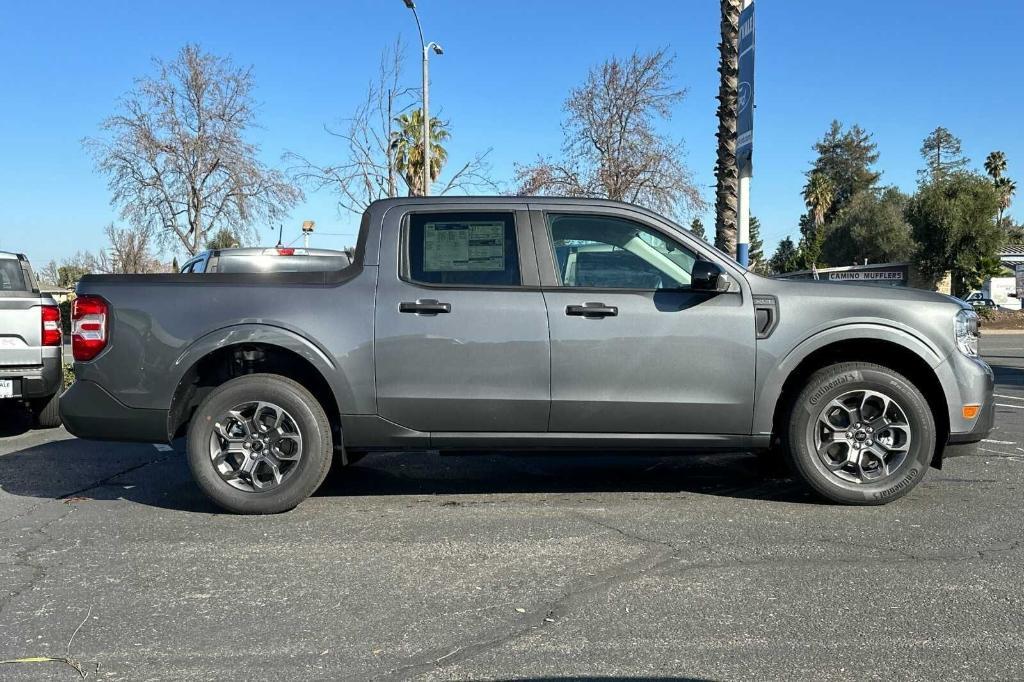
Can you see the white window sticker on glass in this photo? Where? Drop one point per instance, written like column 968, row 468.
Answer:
column 464, row 246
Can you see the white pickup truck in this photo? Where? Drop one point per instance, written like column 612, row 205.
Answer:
column 30, row 342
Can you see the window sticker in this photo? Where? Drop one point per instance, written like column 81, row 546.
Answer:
column 462, row 246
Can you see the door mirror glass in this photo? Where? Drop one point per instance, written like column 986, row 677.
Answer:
column 708, row 276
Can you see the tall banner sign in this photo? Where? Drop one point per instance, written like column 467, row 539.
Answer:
column 745, row 104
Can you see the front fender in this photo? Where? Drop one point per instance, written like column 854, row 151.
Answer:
column 773, row 371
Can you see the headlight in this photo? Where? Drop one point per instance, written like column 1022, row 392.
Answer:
column 965, row 332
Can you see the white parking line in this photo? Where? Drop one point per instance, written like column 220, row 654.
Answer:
column 1000, row 442
column 1016, row 407
column 163, row 448
column 1011, row 397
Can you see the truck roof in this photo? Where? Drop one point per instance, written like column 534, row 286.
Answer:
column 512, row 199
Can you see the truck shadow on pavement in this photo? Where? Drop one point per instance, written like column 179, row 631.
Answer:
column 65, row 468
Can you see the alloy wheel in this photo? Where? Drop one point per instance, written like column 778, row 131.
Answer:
column 862, row 436
column 255, row 446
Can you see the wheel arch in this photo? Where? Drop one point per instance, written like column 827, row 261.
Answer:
column 250, row 349
column 890, row 348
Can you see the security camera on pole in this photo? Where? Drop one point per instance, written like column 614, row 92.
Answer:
column 745, row 130
column 307, row 229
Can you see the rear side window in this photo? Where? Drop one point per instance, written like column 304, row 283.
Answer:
column 12, row 276
column 472, row 249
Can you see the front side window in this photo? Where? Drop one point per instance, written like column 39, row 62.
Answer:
column 469, row 249
column 613, row 253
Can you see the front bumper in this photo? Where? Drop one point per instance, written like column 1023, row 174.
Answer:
column 88, row 411
column 35, row 382
column 975, row 385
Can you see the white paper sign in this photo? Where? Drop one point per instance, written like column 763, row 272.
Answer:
column 462, row 246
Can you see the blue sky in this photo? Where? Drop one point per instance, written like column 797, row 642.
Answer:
column 898, row 68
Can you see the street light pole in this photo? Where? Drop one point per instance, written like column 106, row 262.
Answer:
column 427, row 47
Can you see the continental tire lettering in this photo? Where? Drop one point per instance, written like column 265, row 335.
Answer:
column 908, row 481
column 838, row 381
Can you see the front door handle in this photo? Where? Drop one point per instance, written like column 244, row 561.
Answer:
column 592, row 310
column 426, row 306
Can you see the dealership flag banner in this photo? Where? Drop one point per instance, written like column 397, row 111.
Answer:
column 745, row 103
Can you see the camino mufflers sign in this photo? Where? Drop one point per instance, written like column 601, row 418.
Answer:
column 891, row 276
column 885, row 274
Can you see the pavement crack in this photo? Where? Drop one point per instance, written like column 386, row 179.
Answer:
column 547, row 614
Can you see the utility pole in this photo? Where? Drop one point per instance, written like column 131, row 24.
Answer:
column 427, row 47
column 745, row 131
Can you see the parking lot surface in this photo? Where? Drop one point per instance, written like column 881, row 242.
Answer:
column 531, row 567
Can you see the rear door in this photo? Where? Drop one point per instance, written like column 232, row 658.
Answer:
column 20, row 316
column 633, row 348
column 461, row 331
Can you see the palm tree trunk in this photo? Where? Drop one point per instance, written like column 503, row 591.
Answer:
column 726, row 194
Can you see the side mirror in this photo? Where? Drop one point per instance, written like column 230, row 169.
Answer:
column 708, row 276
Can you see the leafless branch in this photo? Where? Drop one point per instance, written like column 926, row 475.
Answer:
column 611, row 145
column 176, row 158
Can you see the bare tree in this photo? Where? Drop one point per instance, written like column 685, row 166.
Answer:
column 368, row 170
column 176, row 158
column 129, row 252
column 611, row 146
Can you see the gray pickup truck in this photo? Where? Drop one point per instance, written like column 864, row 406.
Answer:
column 530, row 324
column 30, row 342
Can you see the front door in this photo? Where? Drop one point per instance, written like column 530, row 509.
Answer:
column 461, row 335
column 633, row 348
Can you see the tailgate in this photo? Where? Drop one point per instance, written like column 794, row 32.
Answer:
column 20, row 331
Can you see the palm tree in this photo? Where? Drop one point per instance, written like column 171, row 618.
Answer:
column 819, row 194
column 726, row 173
column 995, row 165
column 1006, row 189
column 407, row 146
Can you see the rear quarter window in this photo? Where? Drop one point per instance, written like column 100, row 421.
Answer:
column 12, row 276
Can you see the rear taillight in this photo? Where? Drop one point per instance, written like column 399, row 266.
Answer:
column 88, row 327
column 51, row 325
column 285, row 251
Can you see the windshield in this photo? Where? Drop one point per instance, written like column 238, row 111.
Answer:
column 282, row 263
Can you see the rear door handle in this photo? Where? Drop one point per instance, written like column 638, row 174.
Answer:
column 592, row 310
column 424, row 307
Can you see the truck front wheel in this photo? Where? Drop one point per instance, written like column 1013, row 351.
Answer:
column 861, row 433
column 259, row 444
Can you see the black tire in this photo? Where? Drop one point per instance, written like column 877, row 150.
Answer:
column 310, row 420
column 46, row 412
column 844, row 379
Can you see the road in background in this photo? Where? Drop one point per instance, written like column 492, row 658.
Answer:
column 526, row 567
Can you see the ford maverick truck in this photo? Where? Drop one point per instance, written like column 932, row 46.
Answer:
column 532, row 324
column 31, row 370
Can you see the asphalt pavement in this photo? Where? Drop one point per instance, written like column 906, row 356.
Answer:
column 498, row 567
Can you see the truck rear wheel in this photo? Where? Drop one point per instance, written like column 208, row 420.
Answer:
column 861, row 433
column 259, row 444
column 46, row 412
